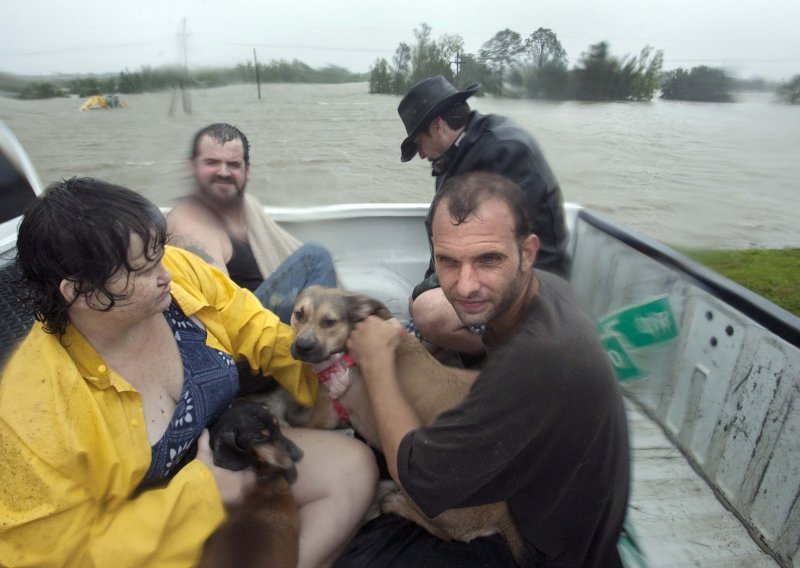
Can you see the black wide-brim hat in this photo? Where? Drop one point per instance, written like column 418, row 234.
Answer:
column 425, row 101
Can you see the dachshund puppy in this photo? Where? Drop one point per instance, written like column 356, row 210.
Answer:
column 262, row 530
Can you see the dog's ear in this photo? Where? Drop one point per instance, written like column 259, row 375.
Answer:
column 359, row 307
column 236, row 431
column 227, row 452
column 281, row 455
column 294, row 451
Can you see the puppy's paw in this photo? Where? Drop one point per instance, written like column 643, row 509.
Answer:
column 394, row 502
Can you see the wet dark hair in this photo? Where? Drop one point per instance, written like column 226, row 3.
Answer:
column 80, row 230
column 222, row 133
column 457, row 116
column 466, row 193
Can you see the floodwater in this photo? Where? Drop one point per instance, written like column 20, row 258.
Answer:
column 697, row 174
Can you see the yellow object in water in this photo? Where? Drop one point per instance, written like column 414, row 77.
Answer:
column 104, row 101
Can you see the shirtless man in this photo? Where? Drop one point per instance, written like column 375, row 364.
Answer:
column 214, row 222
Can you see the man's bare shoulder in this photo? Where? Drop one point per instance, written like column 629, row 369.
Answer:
column 192, row 227
column 187, row 212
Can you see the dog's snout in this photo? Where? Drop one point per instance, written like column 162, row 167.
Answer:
column 303, row 344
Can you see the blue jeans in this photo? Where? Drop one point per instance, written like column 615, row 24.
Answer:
column 310, row 264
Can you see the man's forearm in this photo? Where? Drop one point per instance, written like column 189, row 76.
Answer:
column 393, row 414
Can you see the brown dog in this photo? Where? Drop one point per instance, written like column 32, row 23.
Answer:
column 263, row 530
column 322, row 321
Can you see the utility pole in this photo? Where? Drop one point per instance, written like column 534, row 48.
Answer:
column 457, row 62
column 183, row 36
column 258, row 75
column 185, row 100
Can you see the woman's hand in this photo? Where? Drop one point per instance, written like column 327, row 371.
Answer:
column 232, row 485
column 374, row 339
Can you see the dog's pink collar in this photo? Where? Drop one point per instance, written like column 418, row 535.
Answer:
column 325, row 375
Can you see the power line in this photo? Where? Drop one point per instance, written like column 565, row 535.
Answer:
column 78, row 49
column 728, row 59
column 317, row 47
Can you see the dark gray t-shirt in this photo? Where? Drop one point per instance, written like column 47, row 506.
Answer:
column 543, row 428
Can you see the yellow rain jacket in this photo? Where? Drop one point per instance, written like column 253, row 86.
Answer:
column 73, row 444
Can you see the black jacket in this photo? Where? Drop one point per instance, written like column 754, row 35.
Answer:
column 496, row 144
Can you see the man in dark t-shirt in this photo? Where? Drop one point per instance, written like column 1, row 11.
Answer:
column 543, row 426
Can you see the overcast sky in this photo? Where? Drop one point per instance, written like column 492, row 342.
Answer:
column 747, row 37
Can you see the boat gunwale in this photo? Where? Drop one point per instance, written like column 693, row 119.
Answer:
column 767, row 314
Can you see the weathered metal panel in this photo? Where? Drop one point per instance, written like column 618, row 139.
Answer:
column 712, row 340
column 726, row 391
column 612, row 276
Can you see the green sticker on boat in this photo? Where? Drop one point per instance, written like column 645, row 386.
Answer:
column 623, row 364
column 643, row 324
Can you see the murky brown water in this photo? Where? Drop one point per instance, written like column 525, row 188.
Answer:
column 685, row 173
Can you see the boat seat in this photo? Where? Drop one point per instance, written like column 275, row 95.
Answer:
column 380, row 282
column 17, row 317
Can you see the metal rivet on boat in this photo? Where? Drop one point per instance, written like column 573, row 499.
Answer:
column 709, row 316
column 713, row 342
column 729, row 330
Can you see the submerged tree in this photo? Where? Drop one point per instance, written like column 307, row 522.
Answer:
column 427, row 58
column 790, row 91
column 498, row 54
column 641, row 75
column 543, row 73
column 595, row 75
column 402, row 68
column 473, row 71
column 452, row 50
column 537, row 67
column 701, row 83
column 601, row 77
column 542, row 48
column 380, row 79
column 130, row 82
column 450, row 46
column 41, row 90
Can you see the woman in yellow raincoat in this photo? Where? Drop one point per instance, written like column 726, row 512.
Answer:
column 132, row 356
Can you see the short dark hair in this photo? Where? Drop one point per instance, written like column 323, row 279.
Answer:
column 222, row 133
column 457, row 116
column 466, row 193
column 80, row 230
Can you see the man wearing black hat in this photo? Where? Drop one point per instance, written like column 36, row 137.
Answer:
column 441, row 128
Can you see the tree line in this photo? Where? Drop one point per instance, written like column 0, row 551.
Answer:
column 536, row 67
column 149, row 79
column 507, row 64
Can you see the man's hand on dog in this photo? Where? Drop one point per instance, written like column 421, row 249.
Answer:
column 372, row 341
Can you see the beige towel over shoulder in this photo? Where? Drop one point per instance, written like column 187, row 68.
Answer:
column 270, row 243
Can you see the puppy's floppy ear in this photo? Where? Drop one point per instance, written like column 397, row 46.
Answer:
column 278, row 456
column 236, row 431
column 359, row 307
column 227, row 452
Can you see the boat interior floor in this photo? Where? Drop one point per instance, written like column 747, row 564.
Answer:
column 677, row 518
